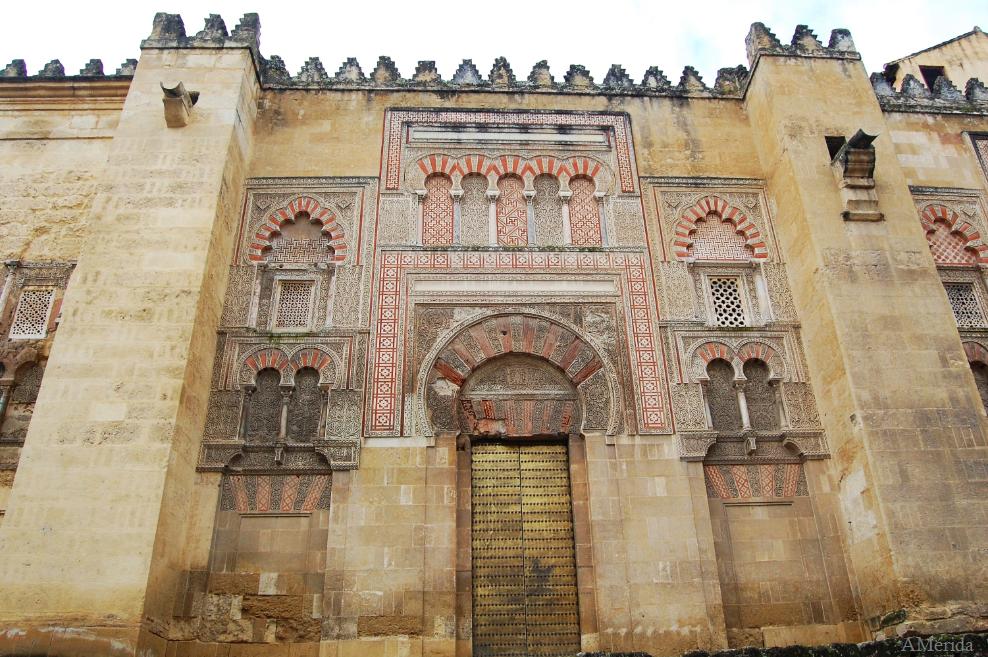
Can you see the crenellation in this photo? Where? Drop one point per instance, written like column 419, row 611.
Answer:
column 541, row 77
column 975, row 91
column 762, row 41
column 840, row 40
column 467, row 74
column 214, row 30
column 944, row 98
column 881, row 85
column 804, row 40
column 426, row 73
column 350, row 71
column 617, row 78
column 127, row 68
column 501, row 74
column 914, row 88
column 578, row 77
column 167, row 27
column 690, row 80
column 274, row 71
column 311, row 73
column 655, row 80
column 248, row 30
column 731, row 81
column 52, row 69
column 93, row 68
column 385, row 72
column 15, row 69
column 944, row 89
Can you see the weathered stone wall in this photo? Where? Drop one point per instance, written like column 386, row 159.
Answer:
column 109, row 473
column 52, row 156
column 962, row 59
column 868, row 292
column 115, row 544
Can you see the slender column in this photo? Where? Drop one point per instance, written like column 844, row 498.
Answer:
column 248, row 391
column 492, row 216
column 286, row 396
column 323, row 411
column 602, row 213
column 530, row 214
column 457, row 194
column 567, row 227
column 420, row 213
column 743, row 405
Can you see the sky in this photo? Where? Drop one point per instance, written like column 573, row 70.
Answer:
column 636, row 34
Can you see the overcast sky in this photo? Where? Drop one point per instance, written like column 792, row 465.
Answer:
column 636, row 34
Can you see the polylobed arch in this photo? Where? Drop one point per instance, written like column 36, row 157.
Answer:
column 301, row 205
column 724, row 211
column 959, row 244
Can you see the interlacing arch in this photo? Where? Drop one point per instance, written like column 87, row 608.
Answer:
column 526, row 168
column 261, row 241
column 686, row 226
column 952, row 240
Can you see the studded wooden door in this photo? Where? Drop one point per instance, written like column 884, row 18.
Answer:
column 524, row 565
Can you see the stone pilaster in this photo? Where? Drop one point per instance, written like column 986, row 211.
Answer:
column 94, row 538
column 873, row 312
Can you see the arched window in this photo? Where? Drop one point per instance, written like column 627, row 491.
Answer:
column 437, row 210
column 763, row 410
column 300, row 241
column 512, row 212
column 305, row 406
column 716, row 239
column 722, row 398
column 949, row 248
column 584, row 213
column 548, row 211
column 980, row 371
column 264, row 407
column 474, row 211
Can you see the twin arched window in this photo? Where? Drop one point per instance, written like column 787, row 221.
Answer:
column 542, row 216
column 273, row 412
column 736, row 405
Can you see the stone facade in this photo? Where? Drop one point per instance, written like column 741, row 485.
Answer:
column 357, row 364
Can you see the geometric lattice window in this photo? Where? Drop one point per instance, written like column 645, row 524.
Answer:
column 511, row 210
column 294, row 304
column 950, row 248
column 725, row 295
column 964, row 302
column 31, row 316
column 715, row 239
column 584, row 213
column 437, row 211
